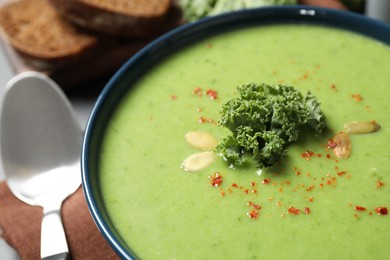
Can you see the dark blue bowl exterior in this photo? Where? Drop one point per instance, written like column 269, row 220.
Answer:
column 121, row 82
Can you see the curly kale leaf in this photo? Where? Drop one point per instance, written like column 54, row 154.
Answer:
column 263, row 119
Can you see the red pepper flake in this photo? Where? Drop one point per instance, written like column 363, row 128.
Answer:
column 293, row 211
column 341, row 173
column 203, row 119
column 216, row 179
column 359, row 208
column 253, row 214
column 311, row 199
column 253, row 184
column 197, row 91
column 212, row 94
column 278, row 203
column 307, row 155
column 254, row 191
column 333, row 87
column 381, row 210
column 379, row 184
column 296, row 170
column 253, row 205
column 310, row 188
column 357, row 97
column 266, row 181
column 306, row 210
column 246, row 191
column 173, row 97
column 234, row 185
column 328, row 156
column 331, row 144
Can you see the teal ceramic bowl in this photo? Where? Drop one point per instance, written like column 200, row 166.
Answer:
column 169, row 43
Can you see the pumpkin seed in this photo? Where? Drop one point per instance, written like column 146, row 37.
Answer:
column 343, row 146
column 198, row 161
column 357, row 127
column 201, row 140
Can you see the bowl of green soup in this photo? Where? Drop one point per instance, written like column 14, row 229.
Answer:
column 172, row 170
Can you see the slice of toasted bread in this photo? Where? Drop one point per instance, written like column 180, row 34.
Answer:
column 101, row 58
column 131, row 18
column 34, row 28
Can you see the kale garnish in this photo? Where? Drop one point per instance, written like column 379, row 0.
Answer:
column 263, row 119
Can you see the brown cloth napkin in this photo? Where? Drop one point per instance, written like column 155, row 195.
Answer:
column 21, row 227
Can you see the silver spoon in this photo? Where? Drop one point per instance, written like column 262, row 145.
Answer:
column 40, row 148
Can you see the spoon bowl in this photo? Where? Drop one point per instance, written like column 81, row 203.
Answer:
column 40, row 150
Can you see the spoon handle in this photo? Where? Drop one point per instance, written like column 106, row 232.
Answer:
column 53, row 239
column 61, row 256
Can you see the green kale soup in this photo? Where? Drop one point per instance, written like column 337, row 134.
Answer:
column 311, row 205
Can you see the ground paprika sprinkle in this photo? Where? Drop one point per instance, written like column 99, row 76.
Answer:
column 293, row 211
column 381, row 210
column 359, row 208
column 216, row 179
column 203, row 119
column 379, row 184
column 253, row 205
column 357, row 97
column 212, row 94
column 307, row 155
column 197, row 91
column 266, row 181
column 253, row 214
column 331, row 144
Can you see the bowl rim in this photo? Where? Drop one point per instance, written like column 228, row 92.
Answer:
column 345, row 20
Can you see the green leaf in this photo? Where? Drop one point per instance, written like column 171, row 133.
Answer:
column 263, row 119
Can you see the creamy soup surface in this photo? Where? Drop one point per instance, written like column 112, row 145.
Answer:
column 309, row 207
